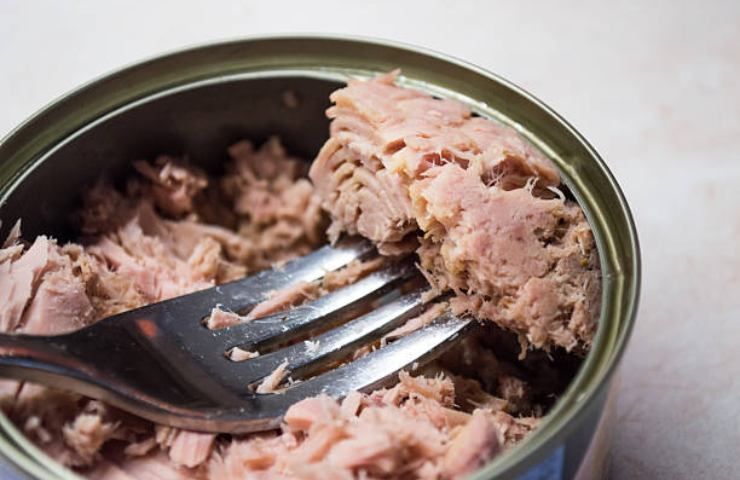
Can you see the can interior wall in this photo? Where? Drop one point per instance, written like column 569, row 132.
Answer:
column 197, row 101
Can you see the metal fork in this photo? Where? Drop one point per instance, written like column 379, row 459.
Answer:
column 162, row 363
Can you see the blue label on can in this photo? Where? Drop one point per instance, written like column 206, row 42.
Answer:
column 550, row 468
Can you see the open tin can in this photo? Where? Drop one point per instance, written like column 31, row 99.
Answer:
column 197, row 101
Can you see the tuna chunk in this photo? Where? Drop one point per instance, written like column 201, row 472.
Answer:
column 87, row 434
column 384, row 137
column 19, row 276
column 491, row 224
column 271, row 383
column 190, row 449
column 312, row 411
column 348, row 275
column 172, row 185
column 362, row 197
column 475, row 444
column 256, row 457
column 525, row 262
column 62, row 297
column 417, row 322
column 221, row 318
column 40, row 293
column 275, row 207
column 284, row 299
column 237, row 354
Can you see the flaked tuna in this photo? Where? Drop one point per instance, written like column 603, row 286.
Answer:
column 141, row 247
column 389, row 434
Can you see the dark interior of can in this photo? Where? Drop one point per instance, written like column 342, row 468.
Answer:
column 198, row 122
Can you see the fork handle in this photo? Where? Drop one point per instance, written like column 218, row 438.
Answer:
column 43, row 359
column 107, row 364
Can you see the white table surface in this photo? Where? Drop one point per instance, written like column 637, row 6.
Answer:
column 655, row 88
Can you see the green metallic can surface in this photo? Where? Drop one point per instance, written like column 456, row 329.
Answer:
column 197, row 100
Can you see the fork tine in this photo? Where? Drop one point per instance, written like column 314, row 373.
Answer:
column 376, row 368
column 172, row 314
column 333, row 344
column 247, row 292
column 325, row 310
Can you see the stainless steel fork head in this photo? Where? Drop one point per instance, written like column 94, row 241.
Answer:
column 160, row 361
